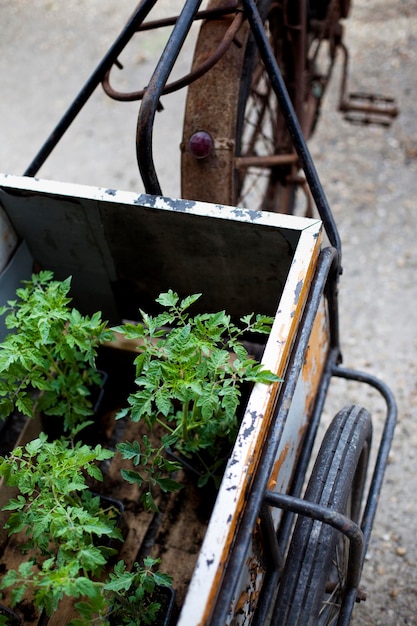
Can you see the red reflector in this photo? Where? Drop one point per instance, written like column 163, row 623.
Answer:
column 201, row 144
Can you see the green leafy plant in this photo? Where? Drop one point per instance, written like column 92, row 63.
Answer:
column 189, row 375
column 63, row 524
column 65, row 531
column 51, row 349
column 126, row 597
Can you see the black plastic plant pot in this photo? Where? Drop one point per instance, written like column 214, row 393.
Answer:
column 12, row 619
column 165, row 596
column 200, row 464
column 107, row 502
column 121, row 373
column 10, row 431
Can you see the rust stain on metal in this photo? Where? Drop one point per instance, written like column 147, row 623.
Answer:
column 315, row 358
column 301, row 431
column 317, row 345
column 277, row 467
column 243, row 599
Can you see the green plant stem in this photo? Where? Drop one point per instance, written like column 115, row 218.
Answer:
column 53, row 363
column 165, row 425
column 185, row 421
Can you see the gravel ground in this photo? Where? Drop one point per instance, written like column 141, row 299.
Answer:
column 47, row 50
column 370, row 176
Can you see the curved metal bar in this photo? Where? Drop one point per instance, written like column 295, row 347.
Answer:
column 130, row 96
column 385, row 443
column 379, row 467
column 293, row 125
column 225, row 9
column 150, row 101
column 95, row 79
column 328, row 516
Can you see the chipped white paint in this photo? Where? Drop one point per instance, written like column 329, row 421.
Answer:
column 128, row 198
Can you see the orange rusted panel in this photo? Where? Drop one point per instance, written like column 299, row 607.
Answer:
column 302, row 403
column 278, row 466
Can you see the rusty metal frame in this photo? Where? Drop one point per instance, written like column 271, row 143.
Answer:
column 123, row 96
column 364, row 108
column 150, row 103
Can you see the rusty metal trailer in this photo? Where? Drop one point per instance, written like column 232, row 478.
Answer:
column 274, row 552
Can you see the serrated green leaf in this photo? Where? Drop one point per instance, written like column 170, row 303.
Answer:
column 189, row 300
column 90, row 559
column 95, row 472
column 168, row 484
column 15, row 503
column 162, row 580
column 17, row 595
column 149, row 502
column 122, row 413
column 131, row 476
column 120, row 580
column 163, row 402
column 168, row 299
column 131, row 451
column 34, row 446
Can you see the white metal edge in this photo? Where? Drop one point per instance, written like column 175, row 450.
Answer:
column 70, row 190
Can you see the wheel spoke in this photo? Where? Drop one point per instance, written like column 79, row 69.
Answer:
column 263, row 135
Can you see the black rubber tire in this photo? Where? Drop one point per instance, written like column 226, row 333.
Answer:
column 337, row 481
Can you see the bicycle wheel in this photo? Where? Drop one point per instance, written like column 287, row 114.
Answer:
column 313, row 582
column 250, row 160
